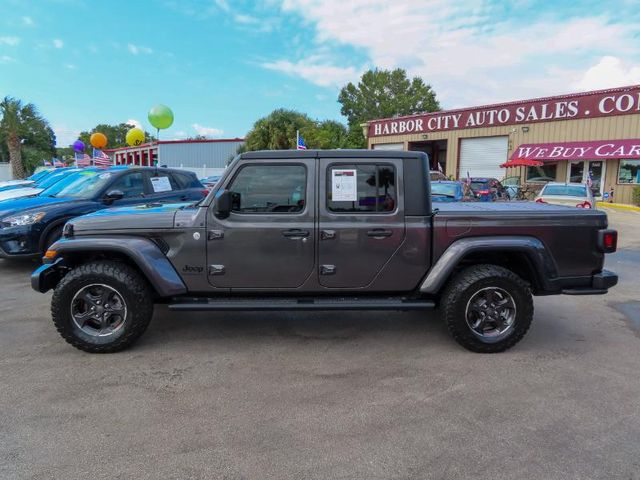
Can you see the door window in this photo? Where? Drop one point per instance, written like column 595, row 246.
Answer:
column 269, row 189
column 362, row 188
column 130, row 184
column 576, row 172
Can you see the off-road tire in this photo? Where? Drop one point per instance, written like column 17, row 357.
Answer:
column 134, row 290
column 465, row 285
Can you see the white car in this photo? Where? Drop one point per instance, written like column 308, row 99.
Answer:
column 568, row 194
column 14, row 184
column 19, row 193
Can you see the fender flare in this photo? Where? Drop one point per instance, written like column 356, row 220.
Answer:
column 148, row 257
column 533, row 248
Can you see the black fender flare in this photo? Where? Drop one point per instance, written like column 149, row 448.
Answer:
column 50, row 228
column 542, row 261
column 146, row 255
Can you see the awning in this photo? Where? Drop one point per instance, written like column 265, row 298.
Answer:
column 591, row 150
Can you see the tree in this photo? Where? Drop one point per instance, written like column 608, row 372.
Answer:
column 277, row 131
column 116, row 134
column 384, row 94
column 23, row 128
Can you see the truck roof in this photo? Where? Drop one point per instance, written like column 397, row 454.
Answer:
column 332, row 154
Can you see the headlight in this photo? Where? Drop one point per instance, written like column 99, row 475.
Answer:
column 20, row 220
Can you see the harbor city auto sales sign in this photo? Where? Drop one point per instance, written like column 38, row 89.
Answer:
column 602, row 103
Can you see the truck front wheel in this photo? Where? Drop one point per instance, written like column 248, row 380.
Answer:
column 487, row 308
column 102, row 307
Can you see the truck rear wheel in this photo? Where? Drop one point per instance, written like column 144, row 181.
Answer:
column 487, row 308
column 102, row 307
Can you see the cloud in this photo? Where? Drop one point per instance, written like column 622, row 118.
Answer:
column 65, row 135
column 223, row 5
column 27, row 22
column 136, row 49
column 134, row 122
column 207, row 131
column 70, row 66
column 57, row 43
column 609, row 72
column 322, row 74
column 246, row 19
column 9, row 41
column 471, row 50
column 6, row 59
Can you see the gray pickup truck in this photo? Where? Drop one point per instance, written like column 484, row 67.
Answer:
column 323, row 230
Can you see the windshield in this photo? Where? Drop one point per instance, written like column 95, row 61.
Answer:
column 52, row 179
column 447, row 189
column 79, row 185
column 40, row 175
column 566, row 190
column 479, row 186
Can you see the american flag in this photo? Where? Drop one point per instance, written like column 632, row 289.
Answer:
column 101, row 159
column 300, row 145
column 589, row 179
column 468, row 178
column 440, row 168
column 82, row 160
column 57, row 163
column 47, row 163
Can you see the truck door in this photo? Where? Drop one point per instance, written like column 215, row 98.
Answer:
column 361, row 219
column 268, row 240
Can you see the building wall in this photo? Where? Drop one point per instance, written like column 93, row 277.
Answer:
column 602, row 128
column 197, row 154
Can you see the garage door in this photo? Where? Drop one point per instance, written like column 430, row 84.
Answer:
column 481, row 157
column 388, row 146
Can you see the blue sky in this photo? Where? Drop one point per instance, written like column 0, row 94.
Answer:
column 222, row 64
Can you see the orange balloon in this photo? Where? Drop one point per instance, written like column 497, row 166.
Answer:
column 98, row 140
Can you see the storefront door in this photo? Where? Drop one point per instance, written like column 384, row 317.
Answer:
column 578, row 172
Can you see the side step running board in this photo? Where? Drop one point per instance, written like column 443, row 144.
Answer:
column 282, row 304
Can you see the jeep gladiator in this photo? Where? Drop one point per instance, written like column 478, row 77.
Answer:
column 323, row 230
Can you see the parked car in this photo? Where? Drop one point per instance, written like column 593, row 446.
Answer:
column 447, row 191
column 211, row 181
column 286, row 231
column 9, row 184
column 29, row 225
column 37, row 187
column 488, row 189
column 569, row 194
column 436, row 175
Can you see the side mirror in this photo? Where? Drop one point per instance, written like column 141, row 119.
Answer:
column 222, row 205
column 112, row 196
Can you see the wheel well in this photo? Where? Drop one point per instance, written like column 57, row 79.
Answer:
column 79, row 258
column 518, row 262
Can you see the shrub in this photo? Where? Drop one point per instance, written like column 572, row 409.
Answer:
column 635, row 196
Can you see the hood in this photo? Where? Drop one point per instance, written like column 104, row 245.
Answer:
column 8, row 207
column 19, row 193
column 138, row 217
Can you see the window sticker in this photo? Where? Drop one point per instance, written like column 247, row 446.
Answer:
column 344, row 186
column 160, row 184
column 104, row 176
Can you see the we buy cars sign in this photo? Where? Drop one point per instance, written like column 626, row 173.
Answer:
column 602, row 103
column 591, row 150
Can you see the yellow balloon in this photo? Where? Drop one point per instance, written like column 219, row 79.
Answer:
column 135, row 137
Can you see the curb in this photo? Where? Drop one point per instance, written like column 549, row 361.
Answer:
column 618, row 206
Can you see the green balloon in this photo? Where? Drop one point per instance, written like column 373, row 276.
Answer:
column 161, row 117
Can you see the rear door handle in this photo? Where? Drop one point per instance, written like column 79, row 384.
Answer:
column 379, row 233
column 295, row 233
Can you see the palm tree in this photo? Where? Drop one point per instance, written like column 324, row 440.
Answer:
column 19, row 123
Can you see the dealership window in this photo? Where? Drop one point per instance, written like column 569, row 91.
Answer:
column 629, row 171
column 545, row 173
column 361, row 188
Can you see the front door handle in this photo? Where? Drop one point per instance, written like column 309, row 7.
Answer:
column 295, row 233
column 379, row 233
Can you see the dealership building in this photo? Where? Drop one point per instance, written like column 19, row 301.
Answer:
column 205, row 157
column 593, row 134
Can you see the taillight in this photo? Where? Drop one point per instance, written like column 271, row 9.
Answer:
column 483, row 192
column 608, row 240
column 539, row 200
column 584, row 205
column 205, row 192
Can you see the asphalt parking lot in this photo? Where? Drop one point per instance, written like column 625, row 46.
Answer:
column 318, row 396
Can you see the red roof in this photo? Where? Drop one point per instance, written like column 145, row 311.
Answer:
column 148, row 144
